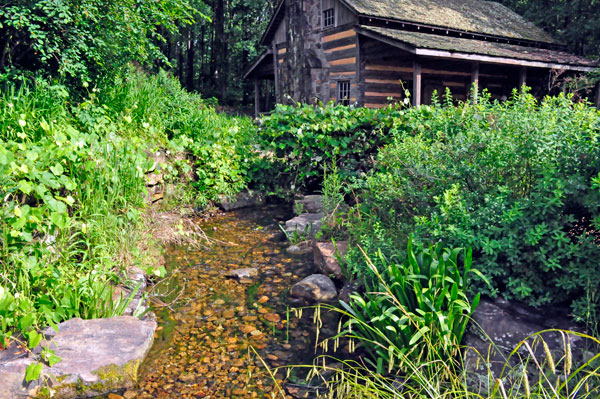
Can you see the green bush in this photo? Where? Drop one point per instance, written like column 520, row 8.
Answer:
column 71, row 203
column 511, row 180
column 301, row 139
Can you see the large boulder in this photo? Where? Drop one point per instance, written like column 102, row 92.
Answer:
column 304, row 226
column 326, row 256
column 315, row 288
column 98, row 356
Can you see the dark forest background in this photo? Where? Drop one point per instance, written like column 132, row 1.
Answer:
column 206, row 44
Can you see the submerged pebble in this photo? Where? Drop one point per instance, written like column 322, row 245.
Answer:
column 203, row 349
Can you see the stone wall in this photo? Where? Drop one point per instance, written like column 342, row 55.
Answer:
column 304, row 71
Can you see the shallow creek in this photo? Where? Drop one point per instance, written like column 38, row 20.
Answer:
column 203, row 346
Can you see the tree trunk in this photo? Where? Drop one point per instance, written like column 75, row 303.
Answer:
column 219, row 46
column 4, row 40
column 180, row 62
column 191, row 52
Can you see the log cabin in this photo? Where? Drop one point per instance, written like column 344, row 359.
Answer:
column 370, row 52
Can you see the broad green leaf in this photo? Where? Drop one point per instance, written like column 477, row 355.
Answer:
column 33, row 372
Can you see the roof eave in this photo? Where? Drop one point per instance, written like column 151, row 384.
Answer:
column 476, row 57
column 257, row 62
column 272, row 24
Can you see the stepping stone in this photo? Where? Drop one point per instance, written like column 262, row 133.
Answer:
column 326, row 260
column 315, row 288
column 304, row 226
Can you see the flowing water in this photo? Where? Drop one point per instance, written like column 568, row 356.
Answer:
column 205, row 343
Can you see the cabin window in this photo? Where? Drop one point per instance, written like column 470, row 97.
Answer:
column 343, row 92
column 329, row 18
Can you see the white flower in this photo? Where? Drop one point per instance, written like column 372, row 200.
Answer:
column 22, row 123
column 10, row 105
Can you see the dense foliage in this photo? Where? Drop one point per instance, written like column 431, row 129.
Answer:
column 574, row 22
column 72, row 180
column 512, row 180
column 82, row 41
column 417, row 310
column 158, row 109
column 302, row 139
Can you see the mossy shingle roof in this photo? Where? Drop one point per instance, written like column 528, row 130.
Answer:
column 491, row 48
column 477, row 16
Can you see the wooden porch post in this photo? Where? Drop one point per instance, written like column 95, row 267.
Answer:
column 256, row 98
column 417, row 83
column 268, row 97
column 276, row 72
column 475, row 80
column 597, row 99
column 522, row 77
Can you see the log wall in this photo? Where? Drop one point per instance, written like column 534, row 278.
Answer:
column 383, row 71
column 341, row 51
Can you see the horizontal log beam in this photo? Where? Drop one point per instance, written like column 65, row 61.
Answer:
column 339, row 43
column 388, row 68
column 343, row 68
column 376, row 100
column 385, row 87
column 342, row 75
column 340, row 35
column 340, row 48
column 390, row 75
column 393, row 94
column 340, row 55
column 344, row 61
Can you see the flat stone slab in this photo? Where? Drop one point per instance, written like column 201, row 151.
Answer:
column 242, row 200
column 310, row 204
column 245, row 276
column 98, row 356
column 326, row 257
column 306, row 225
column 315, row 288
column 497, row 328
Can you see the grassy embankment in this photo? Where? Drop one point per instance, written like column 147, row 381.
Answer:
column 72, row 183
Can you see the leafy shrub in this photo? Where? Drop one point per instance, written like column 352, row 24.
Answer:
column 511, row 180
column 301, row 139
column 83, row 40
